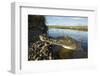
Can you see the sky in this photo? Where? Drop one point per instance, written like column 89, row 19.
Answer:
column 66, row 20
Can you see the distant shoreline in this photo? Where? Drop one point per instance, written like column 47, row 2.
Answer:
column 80, row 28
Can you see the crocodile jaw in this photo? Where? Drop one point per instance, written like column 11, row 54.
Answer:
column 41, row 38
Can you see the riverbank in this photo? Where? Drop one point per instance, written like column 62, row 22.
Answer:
column 80, row 28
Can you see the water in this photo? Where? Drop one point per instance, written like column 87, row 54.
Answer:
column 80, row 36
column 77, row 35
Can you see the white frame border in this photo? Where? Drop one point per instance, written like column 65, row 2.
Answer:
column 16, row 30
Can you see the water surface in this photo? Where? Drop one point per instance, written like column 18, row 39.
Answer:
column 80, row 36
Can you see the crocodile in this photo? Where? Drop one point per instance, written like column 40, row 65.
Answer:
column 40, row 50
column 67, row 43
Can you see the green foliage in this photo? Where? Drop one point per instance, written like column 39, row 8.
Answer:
column 81, row 28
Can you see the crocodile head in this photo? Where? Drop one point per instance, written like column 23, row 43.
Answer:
column 43, row 37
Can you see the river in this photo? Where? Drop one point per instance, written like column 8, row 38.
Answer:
column 80, row 36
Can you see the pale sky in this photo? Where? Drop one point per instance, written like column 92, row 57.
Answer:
column 66, row 20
